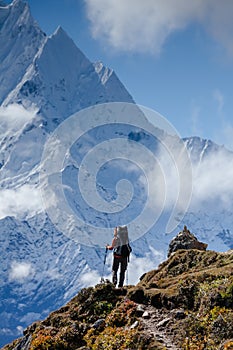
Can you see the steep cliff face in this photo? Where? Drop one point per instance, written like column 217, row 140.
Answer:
column 185, row 304
column 19, row 41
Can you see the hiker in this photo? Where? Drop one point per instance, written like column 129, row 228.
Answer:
column 121, row 251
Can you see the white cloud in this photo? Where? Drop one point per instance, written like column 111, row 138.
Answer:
column 171, row 178
column 212, row 180
column 138, row 25
column 218, row 22
column 14, row 117
column 20, row 271
column 20, row 330
column 19, row 202
column 54, row 274
column 6, row 331
column 29, row 318
column 135, row 25
column 90, row 278
column 139, row 265
column 209, row 182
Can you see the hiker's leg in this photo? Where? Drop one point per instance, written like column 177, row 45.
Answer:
column 122, row 272
column 115, row 267
column 114, row 277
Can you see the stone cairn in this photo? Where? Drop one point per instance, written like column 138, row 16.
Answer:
column 185, row 240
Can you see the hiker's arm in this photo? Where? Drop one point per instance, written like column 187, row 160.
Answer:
column 111, row 247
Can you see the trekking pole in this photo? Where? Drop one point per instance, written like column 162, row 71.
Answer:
column 105, row 256
column 127, row 278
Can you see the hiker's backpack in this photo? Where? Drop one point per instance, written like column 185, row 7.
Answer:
column 123, row 247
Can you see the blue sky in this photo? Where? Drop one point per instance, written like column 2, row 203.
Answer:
column 175, row 57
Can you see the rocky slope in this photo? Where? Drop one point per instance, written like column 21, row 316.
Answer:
column 187, row 303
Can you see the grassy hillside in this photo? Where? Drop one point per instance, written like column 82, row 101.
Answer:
column 187, row 303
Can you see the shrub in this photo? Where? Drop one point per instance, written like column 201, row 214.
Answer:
column 112, row 338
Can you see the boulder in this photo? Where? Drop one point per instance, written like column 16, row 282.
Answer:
column 185, row 240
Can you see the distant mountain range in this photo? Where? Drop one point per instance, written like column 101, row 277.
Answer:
column 43, row 80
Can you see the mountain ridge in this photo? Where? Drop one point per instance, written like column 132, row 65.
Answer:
column 181, row 305
column 43, row 268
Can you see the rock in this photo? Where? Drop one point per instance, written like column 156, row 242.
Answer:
column 146, row 315
column 24, row 344
column 185, row 240
column 99, row 323
column 180, row 314
column 30, row 329
column 134, row 325
column 137, row 295
column 140, row 310
column 164, row 322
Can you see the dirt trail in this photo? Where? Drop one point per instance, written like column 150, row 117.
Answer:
column 156, row 323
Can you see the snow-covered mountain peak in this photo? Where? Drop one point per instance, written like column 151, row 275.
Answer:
column 61, row 56
column 200, row 148
column 60, row 32
column 49, row 73
column 19, row 41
